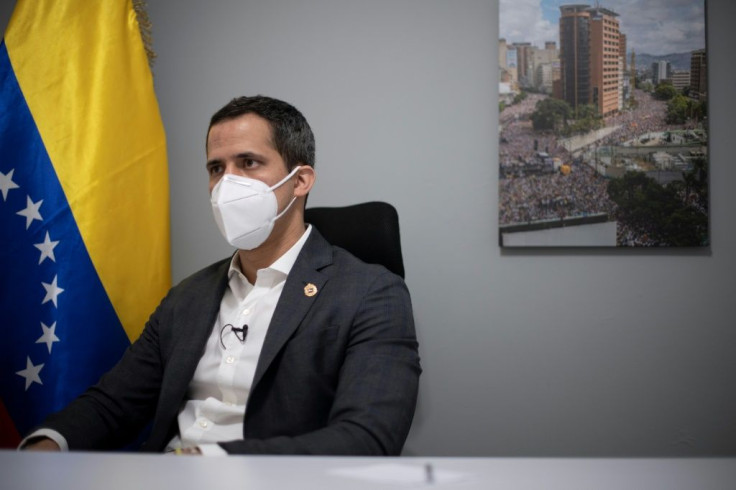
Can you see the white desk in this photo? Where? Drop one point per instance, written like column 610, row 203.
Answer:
column 110, row 471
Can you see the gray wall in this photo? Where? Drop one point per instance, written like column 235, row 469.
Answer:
column 555, row 353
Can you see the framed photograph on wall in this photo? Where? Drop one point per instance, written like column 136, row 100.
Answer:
column 603, row 124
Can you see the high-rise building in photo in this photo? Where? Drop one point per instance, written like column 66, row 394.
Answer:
column 524, row 54
column 590, row 54
column 575, row 54
column 622, row 49
column 698, row 75
column 661, row 71
column 507, row 64
column 546, row 67
column 680, row 79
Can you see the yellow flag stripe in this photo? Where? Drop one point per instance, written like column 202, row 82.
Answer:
column 86, row 80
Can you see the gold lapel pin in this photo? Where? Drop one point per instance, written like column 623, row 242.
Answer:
column 310, row 290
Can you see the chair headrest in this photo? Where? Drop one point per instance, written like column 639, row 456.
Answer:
column 369, row 230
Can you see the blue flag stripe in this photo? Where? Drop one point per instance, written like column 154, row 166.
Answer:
column 55, row 313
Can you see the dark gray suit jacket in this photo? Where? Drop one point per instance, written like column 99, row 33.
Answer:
column 338, row 373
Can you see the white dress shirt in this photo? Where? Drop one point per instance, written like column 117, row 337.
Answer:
column 214, row 407
column 215, row 402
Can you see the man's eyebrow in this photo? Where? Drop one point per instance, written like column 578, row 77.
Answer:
column 246, row 155
column 249, row 155
column 213, row 162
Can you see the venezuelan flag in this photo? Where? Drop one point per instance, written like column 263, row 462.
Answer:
column 84, row 213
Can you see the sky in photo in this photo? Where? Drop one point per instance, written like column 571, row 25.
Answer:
column 654, row 27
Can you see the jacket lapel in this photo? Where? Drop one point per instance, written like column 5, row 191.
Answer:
column 295, row 300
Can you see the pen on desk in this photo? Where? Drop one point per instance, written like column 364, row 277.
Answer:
column 428, row 474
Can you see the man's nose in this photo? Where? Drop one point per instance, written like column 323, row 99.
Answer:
column 231, row 168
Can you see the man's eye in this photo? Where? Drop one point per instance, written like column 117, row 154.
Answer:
column 214, row 169
column 249, row 163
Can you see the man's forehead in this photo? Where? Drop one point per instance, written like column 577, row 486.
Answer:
column 248, row 126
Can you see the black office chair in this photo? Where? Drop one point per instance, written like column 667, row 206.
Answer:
column 369, row 230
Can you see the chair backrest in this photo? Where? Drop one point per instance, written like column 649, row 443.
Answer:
column 369, row 230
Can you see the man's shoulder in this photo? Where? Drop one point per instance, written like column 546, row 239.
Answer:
column 343, row 263
column 355, row 275
column 345, row 260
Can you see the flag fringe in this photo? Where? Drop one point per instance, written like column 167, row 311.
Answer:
column 144, row 25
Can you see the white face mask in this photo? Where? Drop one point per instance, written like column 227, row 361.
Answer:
column 246, row 209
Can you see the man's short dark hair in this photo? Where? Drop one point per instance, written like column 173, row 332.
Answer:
column 290, row 133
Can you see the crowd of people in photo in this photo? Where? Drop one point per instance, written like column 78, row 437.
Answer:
column 518, row 138
column 629, row 237
column 532, row 187
column 648, row 117
column 634, row 126
column 554, row 196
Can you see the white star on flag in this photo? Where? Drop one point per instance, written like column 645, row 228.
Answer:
column 31, row 211
column 46, row 248
column 52, row 291
column 6, row 183
column 49, row 336
column 30, row 373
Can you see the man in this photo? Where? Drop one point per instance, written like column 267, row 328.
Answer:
column 291, row 346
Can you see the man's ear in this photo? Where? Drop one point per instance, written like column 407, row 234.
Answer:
column 305, row 178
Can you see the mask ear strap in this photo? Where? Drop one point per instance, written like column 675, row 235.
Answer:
column 281, row 182
column 285, row 209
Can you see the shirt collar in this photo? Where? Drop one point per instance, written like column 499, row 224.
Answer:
column 283, row 264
